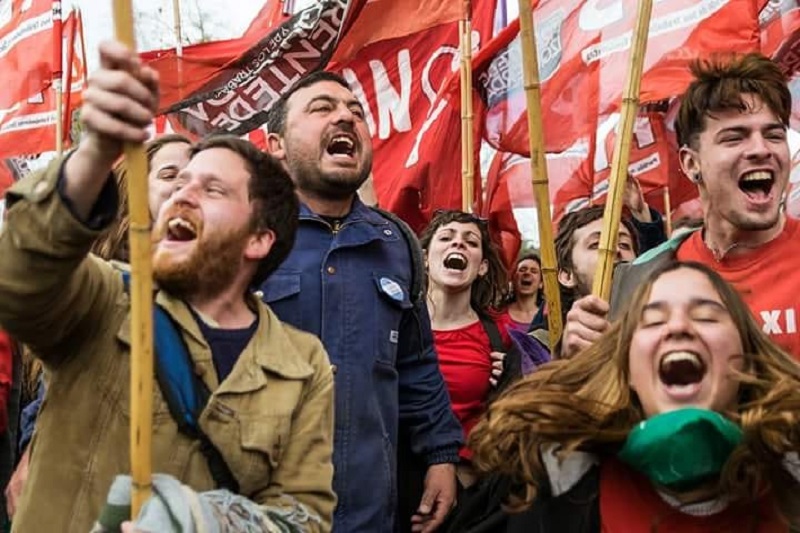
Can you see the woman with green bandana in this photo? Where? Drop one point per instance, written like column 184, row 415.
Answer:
column 683, row 418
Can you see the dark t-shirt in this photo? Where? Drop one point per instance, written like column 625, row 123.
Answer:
column 226, row 344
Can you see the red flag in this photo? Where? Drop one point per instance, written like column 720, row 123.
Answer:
column 499, row 211
column 29, row 125
column 274, row 13
column 401, row 60
column 780, row 40
column 583, row 61
column 26, row 50
column 235, row 96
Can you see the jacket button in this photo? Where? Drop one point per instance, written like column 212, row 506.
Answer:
column 331, row 270
column 334, row 368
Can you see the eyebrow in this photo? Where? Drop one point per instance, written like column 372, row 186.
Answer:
column 331, row 100
column 453, row 230
column 693, row 303
column 167, row 166
column 744, row 129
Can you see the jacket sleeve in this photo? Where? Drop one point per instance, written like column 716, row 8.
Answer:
column 52, row 294
column 651, row 234
column 425, row 410
column 301, row 489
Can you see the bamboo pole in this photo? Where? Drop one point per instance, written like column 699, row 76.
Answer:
column 79, row 21
column 176, row 19
column 59, row 116
column 58, row 71
column 539, row 180
column 178, row 29
column 467, row 141
column 667, row 212
column 612, row 215
column 141, row 297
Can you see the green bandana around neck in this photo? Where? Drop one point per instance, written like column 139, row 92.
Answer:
column 681, row 449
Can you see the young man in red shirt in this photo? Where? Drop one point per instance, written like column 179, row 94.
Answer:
column 732, row 130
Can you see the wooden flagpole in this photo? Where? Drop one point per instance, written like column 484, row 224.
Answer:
column 667, row 212
column 176, row 19
column 79, row 23
column 58, row 72
column 141, row 297
column 539, row 180
column 467, row 141
column 612, row 215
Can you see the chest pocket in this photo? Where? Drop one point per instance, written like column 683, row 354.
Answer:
column 393, row 300
column 252, row 428
column 282, row 293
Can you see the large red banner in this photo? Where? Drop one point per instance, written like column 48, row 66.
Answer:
column 400, row 58
column 234, row 94
column 583, row 52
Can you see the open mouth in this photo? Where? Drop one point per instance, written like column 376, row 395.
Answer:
column 181, row 229
column 526, row 283
column 342, row 145
column 757, row 185
column 680, row 369
column 455, row 261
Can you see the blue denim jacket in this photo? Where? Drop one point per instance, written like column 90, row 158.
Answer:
column 351, row 286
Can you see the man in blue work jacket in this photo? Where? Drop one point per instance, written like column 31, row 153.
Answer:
column 350, row 279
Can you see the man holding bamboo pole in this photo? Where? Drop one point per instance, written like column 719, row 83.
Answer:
column 732, row 131
column 262, row 429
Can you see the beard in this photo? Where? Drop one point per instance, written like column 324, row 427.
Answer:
column 211, row 267
column 337, row 185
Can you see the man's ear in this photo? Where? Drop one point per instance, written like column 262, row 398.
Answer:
column 566, row 278
column 690, row 163
column 259, row 245
column 275, row 146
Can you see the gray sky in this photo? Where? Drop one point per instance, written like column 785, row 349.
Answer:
column 221, row 19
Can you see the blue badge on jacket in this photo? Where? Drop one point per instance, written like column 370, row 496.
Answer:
column 392, row 289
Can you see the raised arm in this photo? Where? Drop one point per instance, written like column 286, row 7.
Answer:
column 51, row 294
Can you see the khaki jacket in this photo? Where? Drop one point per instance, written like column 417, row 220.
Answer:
column 272, row 418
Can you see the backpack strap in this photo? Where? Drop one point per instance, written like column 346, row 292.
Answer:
column 183, row 390
column 491, row 329
column 419, row 274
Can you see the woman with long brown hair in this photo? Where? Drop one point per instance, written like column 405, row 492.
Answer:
column 683, row 417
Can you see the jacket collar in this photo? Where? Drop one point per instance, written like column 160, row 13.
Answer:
column 358, row 213
column 270, row 349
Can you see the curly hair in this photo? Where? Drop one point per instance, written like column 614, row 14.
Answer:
column 586, row 403
column 488, row 291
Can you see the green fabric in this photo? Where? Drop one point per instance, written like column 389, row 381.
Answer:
column 112, row 516
column 681, row 449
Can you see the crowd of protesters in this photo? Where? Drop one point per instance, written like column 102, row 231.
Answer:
column 321, row 368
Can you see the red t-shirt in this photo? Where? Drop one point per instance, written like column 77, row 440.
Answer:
column 768, row 278
column 630, row 504
column 6, row 366
column 466, row 367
